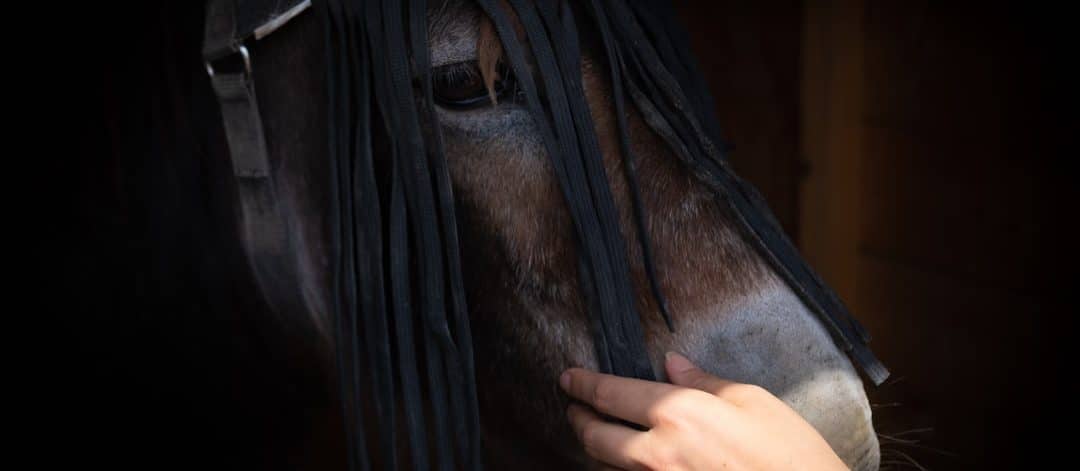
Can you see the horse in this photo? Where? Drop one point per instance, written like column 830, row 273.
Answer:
column 726, row 304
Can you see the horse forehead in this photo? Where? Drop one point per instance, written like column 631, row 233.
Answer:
column 452, row 31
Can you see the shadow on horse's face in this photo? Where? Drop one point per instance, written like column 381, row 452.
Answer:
column 732, row 314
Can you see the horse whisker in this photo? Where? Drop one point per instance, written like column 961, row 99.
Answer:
column 914, row 430
column 892, row 439
column 905, row 457
column 895, row 464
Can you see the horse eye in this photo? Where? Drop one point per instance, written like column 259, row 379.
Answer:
column 461, row 87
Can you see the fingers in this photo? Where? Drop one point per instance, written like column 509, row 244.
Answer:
column 628, row 399
column 617, row 446
column 683, row 372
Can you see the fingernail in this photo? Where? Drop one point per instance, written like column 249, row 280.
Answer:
column 677, row 363
column 564, row 380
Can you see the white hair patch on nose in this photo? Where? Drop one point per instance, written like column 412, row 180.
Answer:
column 769, row 338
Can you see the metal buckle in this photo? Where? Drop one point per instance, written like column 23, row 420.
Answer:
column 243, row 53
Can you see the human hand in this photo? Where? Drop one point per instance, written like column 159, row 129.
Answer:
column 699, row 422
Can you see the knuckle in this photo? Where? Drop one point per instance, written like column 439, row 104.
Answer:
column 752, row 391
column 748, row 393
column 755, row 389
column 662, row 457
column 675, row 412
column 667, row 415
column 603, row 396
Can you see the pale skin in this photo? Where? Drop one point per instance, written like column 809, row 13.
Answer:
column 699, row 422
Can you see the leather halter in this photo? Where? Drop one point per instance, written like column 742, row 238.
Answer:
column 266, row 228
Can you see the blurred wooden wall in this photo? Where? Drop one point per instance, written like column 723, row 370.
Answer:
column 912, row 149
column 749, row 54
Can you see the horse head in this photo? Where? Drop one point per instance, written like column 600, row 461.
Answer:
column 731, row 309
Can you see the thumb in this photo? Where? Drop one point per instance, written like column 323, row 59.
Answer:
column 684, row 373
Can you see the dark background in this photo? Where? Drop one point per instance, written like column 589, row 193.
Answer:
column 916, row 151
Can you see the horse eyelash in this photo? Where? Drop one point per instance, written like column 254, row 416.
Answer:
column 455, row 73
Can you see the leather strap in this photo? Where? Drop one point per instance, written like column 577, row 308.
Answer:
column 265, row 225
column 243, row 125
column 231, row 22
